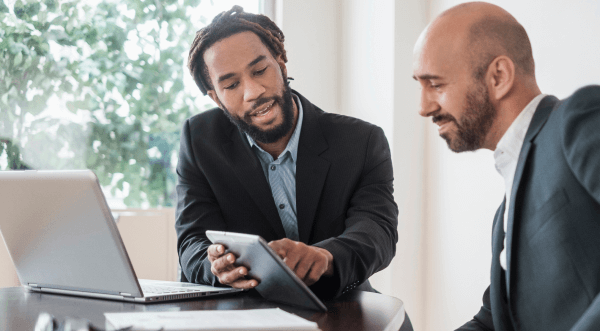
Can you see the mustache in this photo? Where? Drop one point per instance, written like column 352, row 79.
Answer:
column 261, row 102
column 443, row 118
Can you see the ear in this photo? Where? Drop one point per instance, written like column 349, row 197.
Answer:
column 500, row 77
column 281, row 65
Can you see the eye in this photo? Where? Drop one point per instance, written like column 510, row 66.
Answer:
column 260, row 72
column 232, row 86
column 436, row 86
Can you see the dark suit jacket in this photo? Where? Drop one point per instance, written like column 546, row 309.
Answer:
column 552, row 281
column 343, row 194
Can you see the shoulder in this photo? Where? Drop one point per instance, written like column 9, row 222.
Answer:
column 334, row 125
column 211, row 118
column 583, row 100
column 353, row 136
column 578, row 117
column 347, row 126
column 339, row 127
column 209, row 125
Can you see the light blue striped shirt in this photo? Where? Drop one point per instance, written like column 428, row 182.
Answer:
column 281, row 176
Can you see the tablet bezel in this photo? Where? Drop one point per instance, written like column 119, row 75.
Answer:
column 240, row 243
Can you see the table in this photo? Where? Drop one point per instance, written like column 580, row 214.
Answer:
column 355, row 310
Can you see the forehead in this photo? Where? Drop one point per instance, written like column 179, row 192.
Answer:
column 441, row 51
column 234, row 53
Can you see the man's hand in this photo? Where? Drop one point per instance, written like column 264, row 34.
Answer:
column 222, row 266
column 309, row 263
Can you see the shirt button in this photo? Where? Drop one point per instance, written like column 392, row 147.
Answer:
column 273, row 167
column 281, row 206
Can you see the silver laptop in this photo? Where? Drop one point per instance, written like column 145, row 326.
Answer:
column 62, row 238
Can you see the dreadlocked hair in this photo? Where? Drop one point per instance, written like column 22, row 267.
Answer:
column 224, row 25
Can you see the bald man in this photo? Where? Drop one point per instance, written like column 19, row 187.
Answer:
column 476, row 70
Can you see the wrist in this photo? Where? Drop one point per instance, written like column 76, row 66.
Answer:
column 329, row 257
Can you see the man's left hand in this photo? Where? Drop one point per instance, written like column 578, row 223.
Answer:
column 309, row 263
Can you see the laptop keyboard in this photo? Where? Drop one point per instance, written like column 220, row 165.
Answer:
column 154, row 289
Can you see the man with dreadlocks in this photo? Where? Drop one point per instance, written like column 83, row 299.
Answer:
column 317, row 186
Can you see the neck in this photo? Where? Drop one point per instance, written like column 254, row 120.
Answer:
column 276, row 148
column 508, row 110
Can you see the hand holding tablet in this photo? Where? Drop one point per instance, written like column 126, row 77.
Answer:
column 276, row 281
column 309, row 263
column 224, row 267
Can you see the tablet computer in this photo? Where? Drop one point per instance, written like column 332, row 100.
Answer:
column 277, row 282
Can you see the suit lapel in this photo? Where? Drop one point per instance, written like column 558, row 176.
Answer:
column 311, row 169
column 249, row 172
column 537, row 122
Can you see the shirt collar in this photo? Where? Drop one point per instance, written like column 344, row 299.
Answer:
column 510, row 144
column 292, row 145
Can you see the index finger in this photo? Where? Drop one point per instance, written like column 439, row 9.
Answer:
column 216, row 250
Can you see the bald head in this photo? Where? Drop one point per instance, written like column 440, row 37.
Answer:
column 483, row 32
column 476, row 72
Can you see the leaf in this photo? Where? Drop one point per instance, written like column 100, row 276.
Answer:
column 17, row 47
column 44, row 48
column 32, row 9
column 192, row 3
column 37, row 105
column 51, row 4
column 28, row 61
column 19, row 9
column 91, row 37
column 3, row 8
column 18, row 59
column 69, row 26
column 43, row 17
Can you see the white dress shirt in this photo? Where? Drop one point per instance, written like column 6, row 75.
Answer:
column 506, row 156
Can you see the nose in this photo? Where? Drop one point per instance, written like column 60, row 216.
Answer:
column 428, row 104
column 253, row 90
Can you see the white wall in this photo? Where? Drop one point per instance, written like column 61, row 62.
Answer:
column 312, row 43
column 368, row 90
column 360, row 63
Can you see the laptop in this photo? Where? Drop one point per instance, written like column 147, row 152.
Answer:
column 62, row 239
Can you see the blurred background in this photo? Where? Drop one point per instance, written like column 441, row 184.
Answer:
column 102, row 85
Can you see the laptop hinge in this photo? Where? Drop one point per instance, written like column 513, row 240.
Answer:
column 125, row 294
column 33, row 286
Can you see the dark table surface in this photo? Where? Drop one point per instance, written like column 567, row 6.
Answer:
column 356, row 310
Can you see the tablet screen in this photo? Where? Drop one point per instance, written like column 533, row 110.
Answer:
column 277, row 282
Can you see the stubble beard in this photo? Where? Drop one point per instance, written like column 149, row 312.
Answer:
column 475, row 123
column 272, row 135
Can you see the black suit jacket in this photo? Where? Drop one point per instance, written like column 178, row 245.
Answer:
column 343, row 194
column 552, row 281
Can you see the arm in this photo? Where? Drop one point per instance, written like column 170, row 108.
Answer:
column 483, row 320
column 581, row 143
column 368, row 242
column 195, row 201
column 581, row 137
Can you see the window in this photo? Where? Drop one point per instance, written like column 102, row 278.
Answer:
column 101, row 85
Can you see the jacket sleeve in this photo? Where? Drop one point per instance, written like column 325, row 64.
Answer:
column 590, row 320
column 581, row 143
column 195, row 201
column 368, row 242
column 483, row 320
column 581, row 137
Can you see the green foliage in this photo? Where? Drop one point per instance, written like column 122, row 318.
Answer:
column 134, row 103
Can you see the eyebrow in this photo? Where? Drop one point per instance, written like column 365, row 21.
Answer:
column 426, row 76
column 255, row 61
column 258, row 59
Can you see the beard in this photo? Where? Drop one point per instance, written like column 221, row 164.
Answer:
column 475, row 122
column 274, row 134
